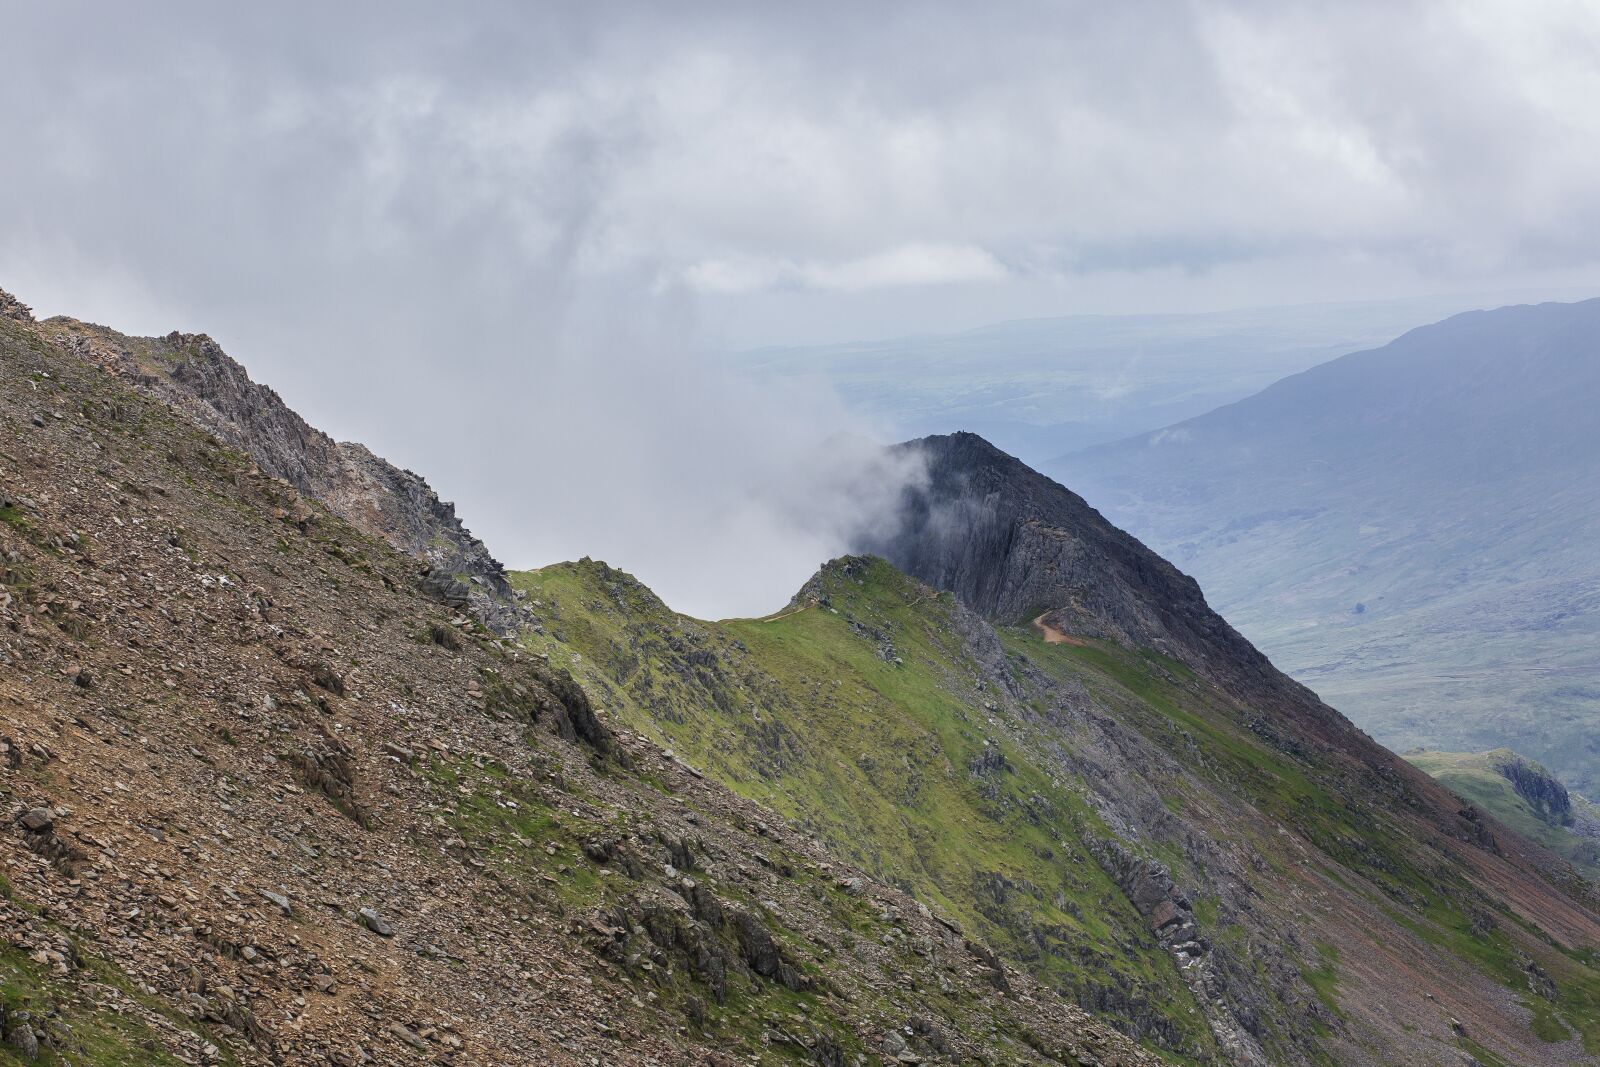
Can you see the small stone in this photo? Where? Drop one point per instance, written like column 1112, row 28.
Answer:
column 280, row 900
column 38, row 820
column 405, row 1034
column 375, row 922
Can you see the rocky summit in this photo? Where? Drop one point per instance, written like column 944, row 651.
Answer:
column 295, row 773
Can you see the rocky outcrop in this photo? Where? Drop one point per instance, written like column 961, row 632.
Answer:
column 12, row 308
column 1545, row 795
column 1149, row 887
column 191, row 373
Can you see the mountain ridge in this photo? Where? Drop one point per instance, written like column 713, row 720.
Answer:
column 1174, row 751
column 269, row 801
column 191, row 372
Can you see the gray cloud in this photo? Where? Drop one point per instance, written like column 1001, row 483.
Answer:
column 488, row 241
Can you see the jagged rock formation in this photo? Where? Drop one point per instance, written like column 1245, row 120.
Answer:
column 1150, row 888
column 192, row 373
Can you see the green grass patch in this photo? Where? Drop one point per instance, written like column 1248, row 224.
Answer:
column 1324, row 977
column 506, row 821
column 1546, row 1025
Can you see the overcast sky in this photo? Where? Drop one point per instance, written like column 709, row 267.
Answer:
column 490, row 240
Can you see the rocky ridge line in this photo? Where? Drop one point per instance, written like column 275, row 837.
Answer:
column 192, row 374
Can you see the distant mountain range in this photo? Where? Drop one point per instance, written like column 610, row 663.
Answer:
column 1413, row 531
column 1039, row 388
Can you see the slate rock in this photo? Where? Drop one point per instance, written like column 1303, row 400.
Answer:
column 375, row 922
column 23, row 1040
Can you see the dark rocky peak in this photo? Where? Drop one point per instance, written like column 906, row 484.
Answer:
column 247, row 414
column 12, row 308
column 1018, row 547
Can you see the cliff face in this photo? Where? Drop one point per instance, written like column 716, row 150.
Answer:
column 191, row 373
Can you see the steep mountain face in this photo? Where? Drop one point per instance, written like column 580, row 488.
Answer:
column 192, row 373
column 1015, row 546
column 1409, row 530
column 268, row 801
column 1083, row 764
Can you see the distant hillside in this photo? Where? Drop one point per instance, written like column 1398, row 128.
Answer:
column 1413, row 531
column 1524, row 796
column 1041, row 387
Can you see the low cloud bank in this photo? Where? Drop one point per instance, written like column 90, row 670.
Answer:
column 624, row 444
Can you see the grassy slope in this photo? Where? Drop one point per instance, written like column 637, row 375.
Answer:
column 1472, row 776
column 804, row 713
column 874, row 757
